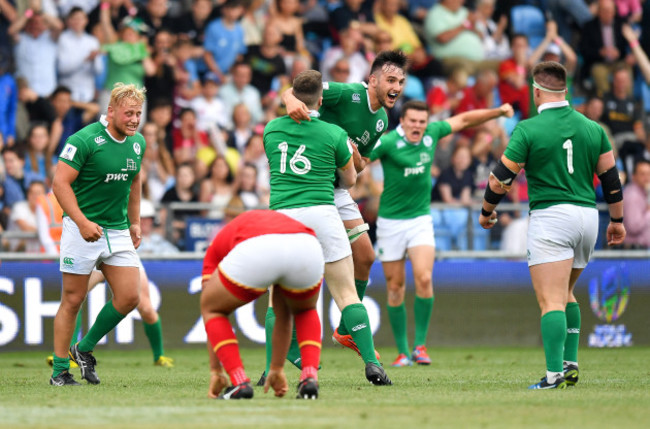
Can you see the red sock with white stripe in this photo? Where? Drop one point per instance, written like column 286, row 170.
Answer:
column 308, row 334
column 225, row 345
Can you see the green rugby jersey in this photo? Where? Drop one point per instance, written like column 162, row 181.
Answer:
column 106, row 170
column 561, row 148
column 303, row 159
column 348, row 106
column 407, row 171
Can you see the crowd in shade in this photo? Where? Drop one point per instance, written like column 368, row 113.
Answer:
column 214, row 72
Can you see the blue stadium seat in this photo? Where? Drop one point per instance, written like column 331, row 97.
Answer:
column 529, row 20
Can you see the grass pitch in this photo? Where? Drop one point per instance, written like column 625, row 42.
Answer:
column 464, row 387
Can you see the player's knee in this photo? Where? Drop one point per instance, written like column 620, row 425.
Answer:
column 395, row 293
column 423, row 281
column 127, row 301
column 363, row 258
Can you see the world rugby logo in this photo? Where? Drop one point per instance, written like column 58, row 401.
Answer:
column 609, row 294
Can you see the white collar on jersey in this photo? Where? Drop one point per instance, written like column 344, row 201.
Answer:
column 104, row 122
column 402, row 134
column 365, row 85
column 314, row 114
column 552, row 105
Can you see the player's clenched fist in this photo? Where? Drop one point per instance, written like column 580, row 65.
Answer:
column 90, row 231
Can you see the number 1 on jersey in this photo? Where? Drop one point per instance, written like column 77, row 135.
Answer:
column 568, row 145
column 296, row 158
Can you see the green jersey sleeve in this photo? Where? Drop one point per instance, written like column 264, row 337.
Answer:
column 343, row 150
column 377, row 151
column 517, row 150
column 75, row 153
column 332, row 93
column 439, row 129
column 605, row 145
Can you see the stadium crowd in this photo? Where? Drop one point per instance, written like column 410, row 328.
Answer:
column 214, row 71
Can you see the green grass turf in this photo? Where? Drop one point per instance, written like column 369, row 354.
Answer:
column 464, row 387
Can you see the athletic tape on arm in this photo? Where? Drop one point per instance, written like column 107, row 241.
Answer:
column 357, row 231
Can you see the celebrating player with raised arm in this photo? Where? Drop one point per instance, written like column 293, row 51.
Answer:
column 561, row 150
column 404, row 226
column 97, row 183
column 304, row 159
column 358, row 108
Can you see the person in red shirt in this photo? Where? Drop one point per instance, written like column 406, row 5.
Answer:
column 513, row 76
column 285, row 253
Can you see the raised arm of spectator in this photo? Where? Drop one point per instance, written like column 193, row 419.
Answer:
column 8, row 10
column 106, row 25
column 477, row 117
column 640, row 56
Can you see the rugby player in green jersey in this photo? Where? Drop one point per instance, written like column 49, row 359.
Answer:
column 358, row 108
column 404, row 225
column 561, row 151
column 97, row 182
column 304, row 160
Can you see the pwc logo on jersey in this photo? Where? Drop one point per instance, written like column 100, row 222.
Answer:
column 413, row 171
column 122, row 177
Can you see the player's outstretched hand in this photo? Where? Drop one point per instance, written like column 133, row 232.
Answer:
column 278, row 381
column 90, row 231
column 297, row 110
column 615, row 233
column 218, row 381
column 488, row 222
column 136, row 236
column 507, row 110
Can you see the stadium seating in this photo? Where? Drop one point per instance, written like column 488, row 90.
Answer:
column 529, row 20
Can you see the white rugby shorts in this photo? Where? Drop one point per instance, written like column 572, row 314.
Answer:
column 396, row 236
column 328, row 226
column 80, row 257
column 347, row 208
column 292, row 261
column 562, row 232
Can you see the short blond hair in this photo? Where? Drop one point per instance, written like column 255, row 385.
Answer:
column 121, row 92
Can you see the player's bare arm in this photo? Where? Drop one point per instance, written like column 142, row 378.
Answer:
column 613, row 193
column 360, row 161
column 347, row 175
column 479, row 116
column 133, row 210
column 296, row 109
column 62, row 187
column 499, row 183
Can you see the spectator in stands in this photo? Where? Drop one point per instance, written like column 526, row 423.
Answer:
column 210, row 110
column 78, row 57
column 629, row 10
column 152, row 241
column 8, row 15
column 155, row 17
column 162, row 81
column 513, row 76
column 35, row 34
column 224, row 40
column 452, row 36
column 192, row 24
column 266, row 61
column 186, row 74
column 283, row 17
column 9, row 100
column 161, row 114
column 239, row 90
column 495, row 40
column 418, row 9
column 128, row 55
column 623, row 116
column 38, row 109
column 246, row 187
column 14, row 161
column 554, row 48
column 242, row 128
column 217, row 188
column 353, row 13
column 23, row 219
column 117, row 11
column 481, row 96
column 188, row 138
column 254, row 154
column 183, row 191
column 350, row 50
column 254, row 21
column 444, row 97
column 10, row 194
column 637, row 51
column 340, row 71
column 568, row 12
column 39, row 159
column 593, row 110
column 387, row 18
column 602, row 45
column 69, row 117
column 157, row 162
column 636, row 205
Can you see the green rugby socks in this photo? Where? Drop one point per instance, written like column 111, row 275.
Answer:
column 422, row 309
column 361, row 286
column 553, row 326
column 356, row 317
column 154, row 334
column 397, row 317
column 107, row 319
column 573, row 322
